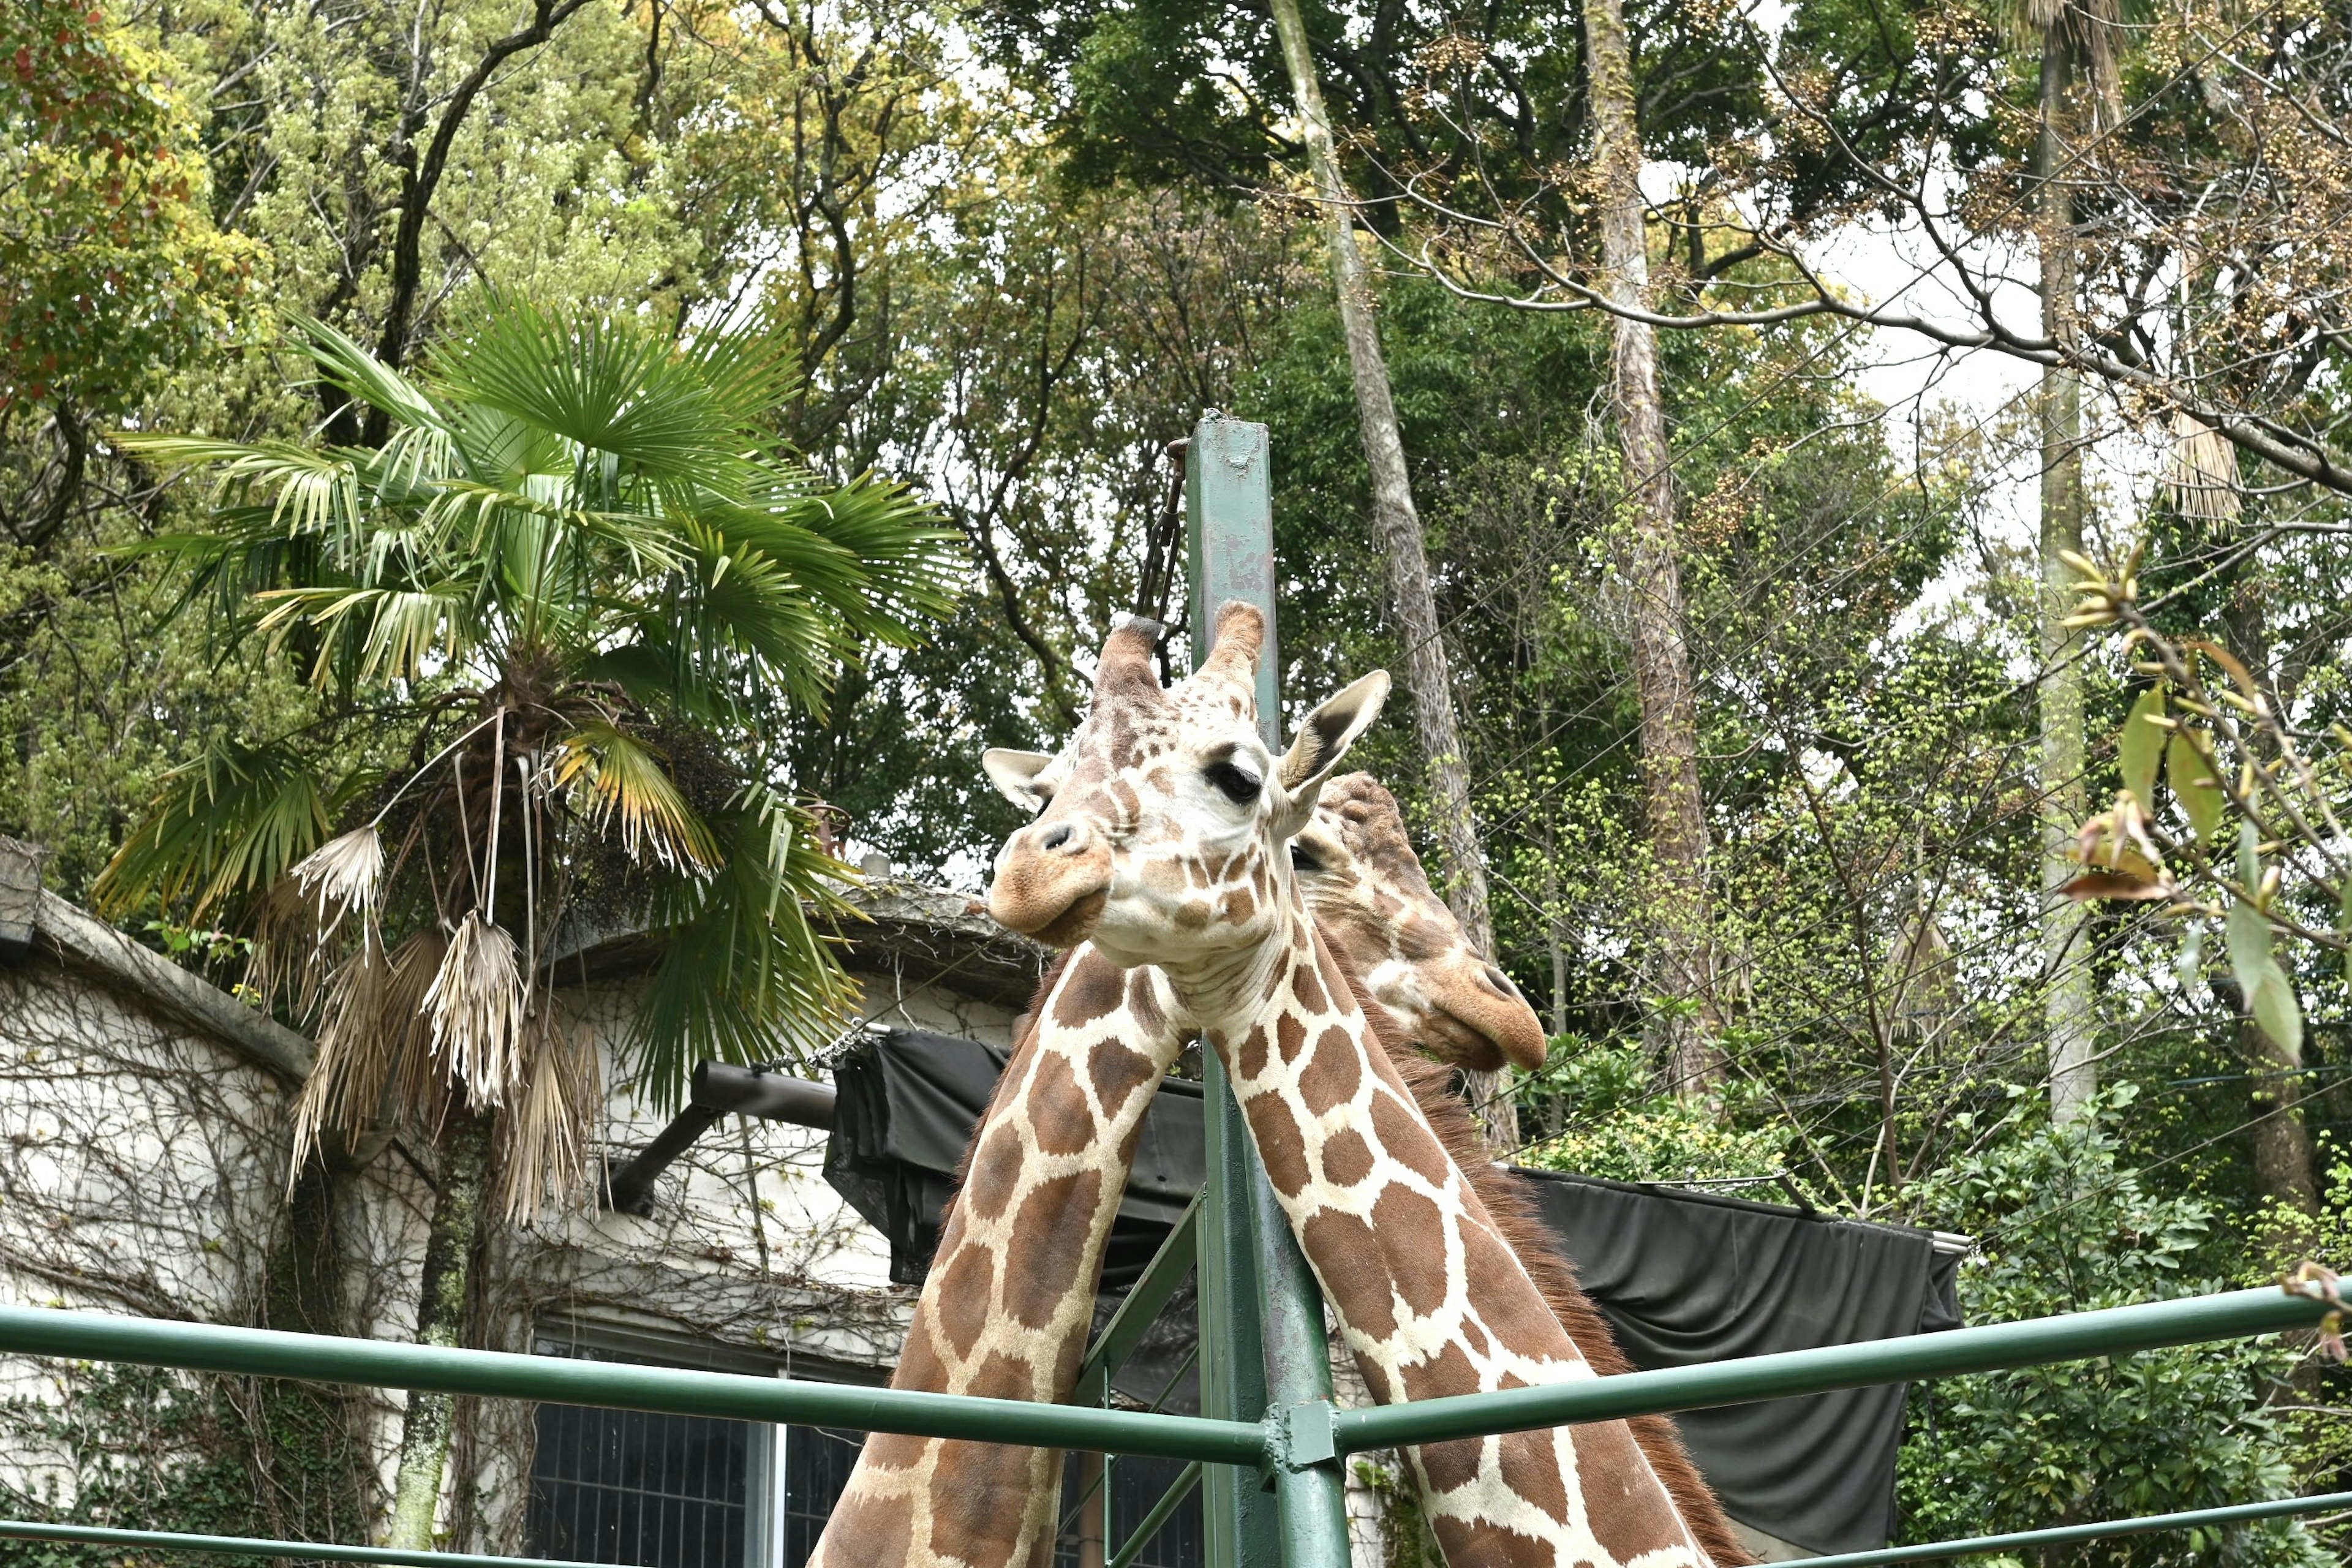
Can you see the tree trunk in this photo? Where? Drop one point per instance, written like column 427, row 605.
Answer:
column 1426, row 668
column 1684, row 1033
column 440, row 1320
column 2070, row 1009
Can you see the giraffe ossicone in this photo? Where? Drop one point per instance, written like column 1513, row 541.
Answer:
column 1161, row 838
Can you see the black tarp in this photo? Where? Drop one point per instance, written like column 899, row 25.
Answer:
column 1683, row 1277
column 1687, row 1278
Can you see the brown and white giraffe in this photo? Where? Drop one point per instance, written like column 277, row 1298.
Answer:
column 1163, row 841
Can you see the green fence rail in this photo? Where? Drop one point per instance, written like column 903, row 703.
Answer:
column 1290, row 1437
column 2147, row 1524
column 1293, row 1439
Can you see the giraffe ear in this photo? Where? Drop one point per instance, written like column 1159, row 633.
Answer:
column 1014, row 774
column 1327, row 733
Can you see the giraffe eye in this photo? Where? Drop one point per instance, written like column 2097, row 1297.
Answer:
column 1237, row 785
column 1303, row 859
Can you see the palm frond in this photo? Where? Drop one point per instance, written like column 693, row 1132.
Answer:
column 388, row 632
column 359, row 1044
column 341, row 876
column 477, row 1003
column 225, row 825
column 609, row 384
column 745, row 975
column 307, row 490
column 628, row 787
column 364, row 377
column 546, row 1132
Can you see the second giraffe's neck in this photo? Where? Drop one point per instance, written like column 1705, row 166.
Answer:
column 1430, row 1298
column 1009, row 1299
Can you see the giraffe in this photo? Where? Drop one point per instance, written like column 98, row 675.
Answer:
column 1366, row 890
column 1160, row 842
column 1022, row 1247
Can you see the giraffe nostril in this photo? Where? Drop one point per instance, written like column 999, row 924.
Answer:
column 1501, row 981
column 1053, row 837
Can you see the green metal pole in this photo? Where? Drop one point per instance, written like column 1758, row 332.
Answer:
column 265, row 1352
column 2077, row 1336
column 1262, row 1341
column 2284, row 1507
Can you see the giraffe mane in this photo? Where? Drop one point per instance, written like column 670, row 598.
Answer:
column 1523, row 1231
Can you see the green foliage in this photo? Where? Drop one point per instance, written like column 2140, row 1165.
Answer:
column 140, row 1448
column 1611, row 1121
column 2064, row 1226
column 552, row 620
column 111, row 271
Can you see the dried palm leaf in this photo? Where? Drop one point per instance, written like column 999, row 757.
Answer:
column 547, row 1130
column 342, row 875
column 358, row 1045
column 477, row 1003
column 2202, row 471
column 416, row 964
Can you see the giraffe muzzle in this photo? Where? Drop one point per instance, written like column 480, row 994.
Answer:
column 1491, row 1022
column 1052, row 880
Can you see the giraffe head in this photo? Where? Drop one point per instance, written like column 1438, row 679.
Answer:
column 1159, row 826
column 1366, row 889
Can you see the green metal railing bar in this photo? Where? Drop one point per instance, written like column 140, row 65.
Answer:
column 1132, row 1547
column 242, row 1546
column 1140, row 1310
column 264, row 1353
column 2282, row 1508
column 2077, row 1336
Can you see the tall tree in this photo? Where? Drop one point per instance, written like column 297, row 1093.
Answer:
column 1687, row 1027
column 2070, row 1009
column 1398, row 523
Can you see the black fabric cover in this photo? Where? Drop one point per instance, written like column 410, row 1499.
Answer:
column 1687, row 1278
column 1683, row 1277
column 908, row 1102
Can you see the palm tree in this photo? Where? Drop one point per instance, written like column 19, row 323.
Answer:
column 555, row 620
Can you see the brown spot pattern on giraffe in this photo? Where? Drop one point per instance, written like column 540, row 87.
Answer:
column 967, row 1295
column 1347, row 1158
column 1280, row 1145
column 1330, row 1077
column 1404, row 1136
column 995, row 1176
column 1347, row 1258
column 1531, row 1469
column 1627, row 1519
column 1417, row 1273
column 1095, row 991
column 1491, row 1546
column 1056, row 1220
column 1117, row 1072
column 1058, row 1117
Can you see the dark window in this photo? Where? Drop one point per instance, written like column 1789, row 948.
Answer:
column 818, row 1461
column 660, row 1491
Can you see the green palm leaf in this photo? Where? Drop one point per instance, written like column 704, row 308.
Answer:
column 227, row 825
column 745, row 975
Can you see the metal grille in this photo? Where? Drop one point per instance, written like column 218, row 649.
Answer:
column 818, row 1461
column 1137, row 1481
column 623, row 1486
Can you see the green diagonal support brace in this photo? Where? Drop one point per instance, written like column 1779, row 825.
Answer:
column 2058, row 1535
column 1144, row 1300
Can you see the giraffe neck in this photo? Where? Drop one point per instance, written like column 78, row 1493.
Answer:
column 1430, row 1298
column 1006, row 1310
